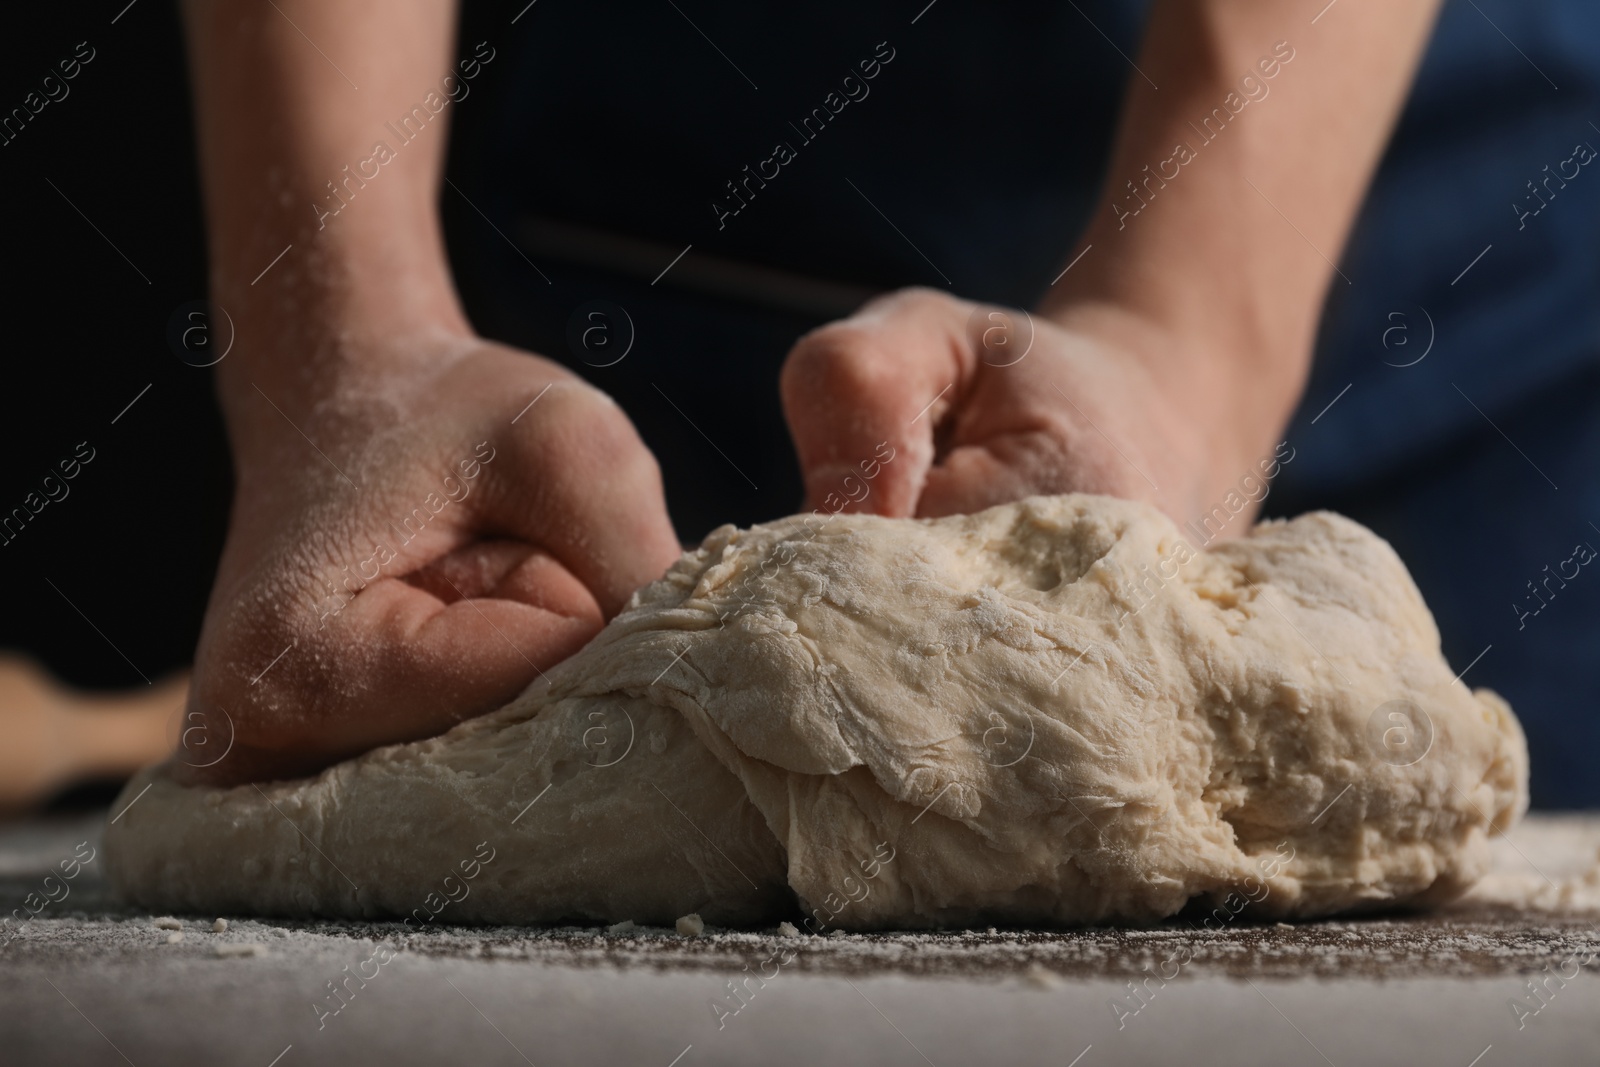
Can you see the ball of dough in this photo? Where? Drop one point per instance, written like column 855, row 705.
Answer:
column 1053, row 711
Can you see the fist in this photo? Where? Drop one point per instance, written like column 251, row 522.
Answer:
column 982, row 405
column 409, row 552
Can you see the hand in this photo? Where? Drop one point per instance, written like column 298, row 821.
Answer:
column 1097, row 404
column 426, row 565
column 356, row 397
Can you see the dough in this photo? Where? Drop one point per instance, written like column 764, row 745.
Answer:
column 1055, row 711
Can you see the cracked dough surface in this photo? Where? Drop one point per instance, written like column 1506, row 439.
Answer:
column 1054, row 711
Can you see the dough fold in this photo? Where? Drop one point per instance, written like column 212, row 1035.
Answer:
column 1054, row 711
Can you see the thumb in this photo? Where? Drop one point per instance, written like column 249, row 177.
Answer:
column 863, row 397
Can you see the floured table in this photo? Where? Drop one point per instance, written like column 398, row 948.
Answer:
column 88, row 982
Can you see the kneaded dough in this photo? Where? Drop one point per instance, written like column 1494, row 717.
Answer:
column 1054, row 711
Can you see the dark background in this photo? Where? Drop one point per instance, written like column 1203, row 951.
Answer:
column 135, row 542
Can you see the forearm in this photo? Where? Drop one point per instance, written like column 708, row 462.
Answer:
column 1232, row 187
column 290, row 159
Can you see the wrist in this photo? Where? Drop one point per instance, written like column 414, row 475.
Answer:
column 338, row 304
column 382, row 272
column 1219, row 297
column 312, row 358
column 1218, row 410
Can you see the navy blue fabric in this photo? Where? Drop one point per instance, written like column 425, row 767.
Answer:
column 1482, row 123
column 1481, row 462
column 980, row 147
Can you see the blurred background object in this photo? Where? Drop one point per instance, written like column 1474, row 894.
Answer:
column 58, row 739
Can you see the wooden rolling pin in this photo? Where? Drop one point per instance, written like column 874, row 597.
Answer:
column 52, row 737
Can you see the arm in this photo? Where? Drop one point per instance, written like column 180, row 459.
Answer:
column 1211, row 259
column 277, row 123
column 401, row 555
column 1168, row 359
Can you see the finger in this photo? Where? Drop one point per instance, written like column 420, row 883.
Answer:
column 1000, row 470
column 873, row 386
column 431, row 663
column 1014, row 448
column 573, row 476
column 485, row 568
column 392, row 662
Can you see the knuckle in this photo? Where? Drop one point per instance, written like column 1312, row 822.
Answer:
column 579, row 420
column 840, row 359
column 920, row 298
column 915, row 301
